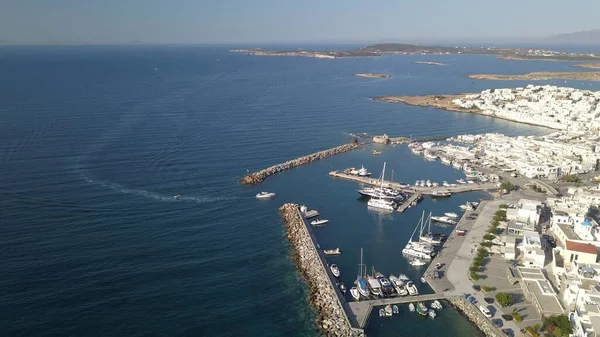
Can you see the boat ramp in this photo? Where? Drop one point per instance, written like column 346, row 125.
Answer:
column 415, row 189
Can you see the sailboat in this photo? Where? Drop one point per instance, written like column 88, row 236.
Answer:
column 429, row 237
column 381, row 192
column 381, row 197
column 416, row 248
column 361, row 282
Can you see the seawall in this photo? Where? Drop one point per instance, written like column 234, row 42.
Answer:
column 475, row 316
column 260, row 176
column 324, row 297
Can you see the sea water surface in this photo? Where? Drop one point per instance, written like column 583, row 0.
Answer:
column 96, row 141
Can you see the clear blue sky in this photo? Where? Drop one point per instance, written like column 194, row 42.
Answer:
column 251, row 21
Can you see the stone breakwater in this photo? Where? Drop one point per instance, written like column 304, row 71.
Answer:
column 260, row 176
column 475, row 316
column 331, row 319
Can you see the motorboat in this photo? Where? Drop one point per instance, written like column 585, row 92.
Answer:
column 445, row 183
column 363, row 172
column 451, row 215
column 381, row 193
column 306, row 213
column 335, row 270
column 430, row 155
column 388, row 310
column 472, row 175
column 428, row 183
column 336, row 251
column 444, row 219
column 395, row 309
column 434, row 184
column 319, row 222
column 179, row 196
column 387, row 288
column 423, row 280
column 457, row 164
column 403, row 278
column 446, row 160
column 387, row 205
column 441, row 194
column 412, row 288
column 417, row 150
column 467, row 206
column 374, row 286
column 342, row 287
column 381, row 312
column 261, row 195
column 355, row 294
column 398, row 285
column 417, row 263
column 411, row 307
column 431, row 313
column 461, row 181
column 436, row 305
column 422, row 309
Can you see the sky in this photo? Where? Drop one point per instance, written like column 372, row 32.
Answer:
column 287, row 21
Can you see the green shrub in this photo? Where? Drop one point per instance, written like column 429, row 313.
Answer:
column 487, row 289
column 486, row 243
column 489, row 237
column 507, row 186
column 504, row 299
column 504, row 206
column 517, row 317
column 475, row 276
column 557, row 326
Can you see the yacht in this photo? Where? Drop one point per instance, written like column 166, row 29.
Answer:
column 374, row 286
column 440, row 194
column 416, row 248
column 444, row 219
column 417, row 263
column 430, row 155
column 428, row 183
column 387, row 288
column 461, row 181
column 412, row 288
column 363, row 172
column 355, row 294
column 335, row 270
column 429, row 237
column 261, row 195
column 472, row 175
column 403, row 278
column 398, row 285
column 319, row 222
column 445, row 183
column 451, row 215
column 381, row 192
column 388, row 205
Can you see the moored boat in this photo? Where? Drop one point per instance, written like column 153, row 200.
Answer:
column 440, row 194
column 342, row 287
column 417, row 263
column 412, row 288
column 383, row 204
column 335, row 270
column 411, row 307
column 355, row 294
column 261, row 195
column 443, row 219
column 422, row 309
column 336, row 251
column 423, row 280
column 395, row 309
column 437, row 305
column 363, row 172
column 388, row 310
column 451, row 215
column 319, row 222
column 431, row 313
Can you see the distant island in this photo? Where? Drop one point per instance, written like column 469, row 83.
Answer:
column 540, row 76
column 588, row 65
column 377, row 50
column 431, row 63
column 586, row 36
column 373, row 75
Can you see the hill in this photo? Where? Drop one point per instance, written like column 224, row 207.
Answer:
column 587, row 36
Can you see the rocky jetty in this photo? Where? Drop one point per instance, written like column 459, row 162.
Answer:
column 475, row 316
column 331, row 318
column 260, row 176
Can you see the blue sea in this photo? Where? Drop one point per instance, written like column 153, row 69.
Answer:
column 96, row 141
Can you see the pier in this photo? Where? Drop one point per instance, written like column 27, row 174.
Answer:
column 361, row 310
column 406, row 204
column 414, row 189
column 260, row 176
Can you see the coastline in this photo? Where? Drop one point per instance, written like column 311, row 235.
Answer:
column 588, row 65
column 444, row 102
column 540, row 76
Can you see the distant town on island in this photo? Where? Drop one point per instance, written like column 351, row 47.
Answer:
column 411, row 49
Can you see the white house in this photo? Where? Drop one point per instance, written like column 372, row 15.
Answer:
column 579, row 252
column 533, row 254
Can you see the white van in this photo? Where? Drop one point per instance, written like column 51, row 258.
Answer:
column 485, row 311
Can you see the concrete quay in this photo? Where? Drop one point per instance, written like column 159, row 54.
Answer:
column 413, row 189
column 325, row 297
column 260, row 176
column 406, row 204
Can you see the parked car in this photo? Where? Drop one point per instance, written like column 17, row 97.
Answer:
column 508, row 332
column 489, row 300
column 507, row 317
column 472, row 299
column 498, row 322
column 485, row 311
column 476, row 287
column 461, row 232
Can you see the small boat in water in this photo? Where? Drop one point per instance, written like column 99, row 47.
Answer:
column 451, row 215
column 412, row 288
column 342, row 287
column 437, row 305
column 422, row 309
column 417, row 263
column 444, row 219
column 355, row 294
column 423, row 280
column 411, row 307
column 177, row 196
column 381, row 312
column 440, row 194
column 335, row 270
column 431, row 313
column 265, row 195
column 336, row 251
column 388, row 310
column 403, row 277
column 395, row 309
column 319, row 222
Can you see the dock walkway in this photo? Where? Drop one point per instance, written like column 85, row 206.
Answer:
column 361, row 310
column 413, row 189
column 406, row 204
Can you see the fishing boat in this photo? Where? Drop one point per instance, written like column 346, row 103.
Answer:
column 440, row 194
column 417, row 263
column 388, row 310
column 411, row 307
column 336, row 251
column 263, row 195
column 355, row 294
column 335, row 270
column 395, row 309
column 361, row 282
column 412, row 288
column 319, row 222
column 437, row 305
column 431, row 313
column 422, row 309
column 423, row 280
column 451, row 215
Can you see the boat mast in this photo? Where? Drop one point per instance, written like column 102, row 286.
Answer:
column 429, row 223
column 417, row 226
column 383, row 175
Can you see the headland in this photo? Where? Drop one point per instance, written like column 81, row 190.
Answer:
column 373, row 75
column 588, row 65
column 377, row 50
column 444, row 102
column 540, row 76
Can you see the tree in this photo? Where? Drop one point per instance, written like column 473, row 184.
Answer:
column 487, row 289
column 501, row 213
column 507, row 185
column 475, row 276
column 571, row 178
column 489, row 237
column 504, row 206
column 558, row 326
column 486, row 243
column 504, row 299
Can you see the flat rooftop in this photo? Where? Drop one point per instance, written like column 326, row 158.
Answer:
column 568, row 231
column 544, row 295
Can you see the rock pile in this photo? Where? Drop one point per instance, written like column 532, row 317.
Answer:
column 260, row 176
column 331, row 318
column 475, row 316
